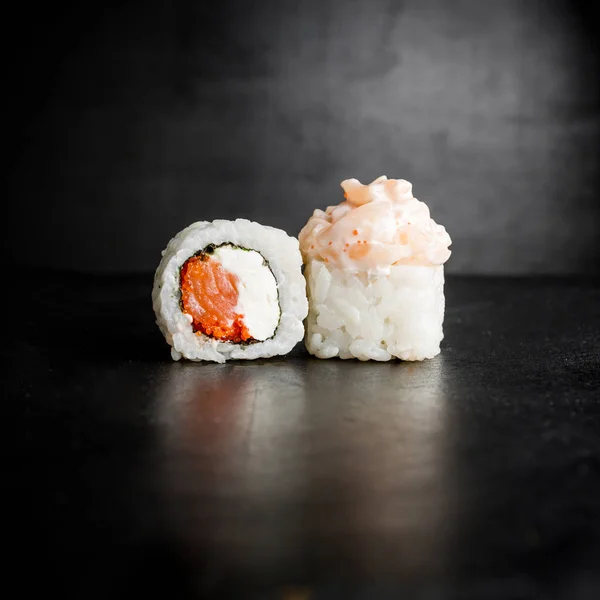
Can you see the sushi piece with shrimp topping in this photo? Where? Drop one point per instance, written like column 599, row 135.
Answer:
column 374, row 267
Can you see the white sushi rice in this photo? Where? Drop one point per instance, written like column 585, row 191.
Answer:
column 284, row 264
column 397, row 312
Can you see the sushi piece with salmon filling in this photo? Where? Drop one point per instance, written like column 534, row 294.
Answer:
column 230, row 290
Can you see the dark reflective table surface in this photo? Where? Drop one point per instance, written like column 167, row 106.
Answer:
column 472, row 475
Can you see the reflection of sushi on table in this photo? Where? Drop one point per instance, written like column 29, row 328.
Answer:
column 375, row 275
column 230, row 289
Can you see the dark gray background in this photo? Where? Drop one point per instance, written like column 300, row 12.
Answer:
column 129, row 123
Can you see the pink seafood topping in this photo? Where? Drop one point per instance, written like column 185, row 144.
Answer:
column 378, row 225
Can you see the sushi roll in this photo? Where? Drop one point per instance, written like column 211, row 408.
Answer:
column 230, row 290
column 374, row 267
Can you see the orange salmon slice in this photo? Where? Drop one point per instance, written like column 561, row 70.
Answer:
column 209, row 294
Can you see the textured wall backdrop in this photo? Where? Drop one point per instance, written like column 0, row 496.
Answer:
column 129, row 123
